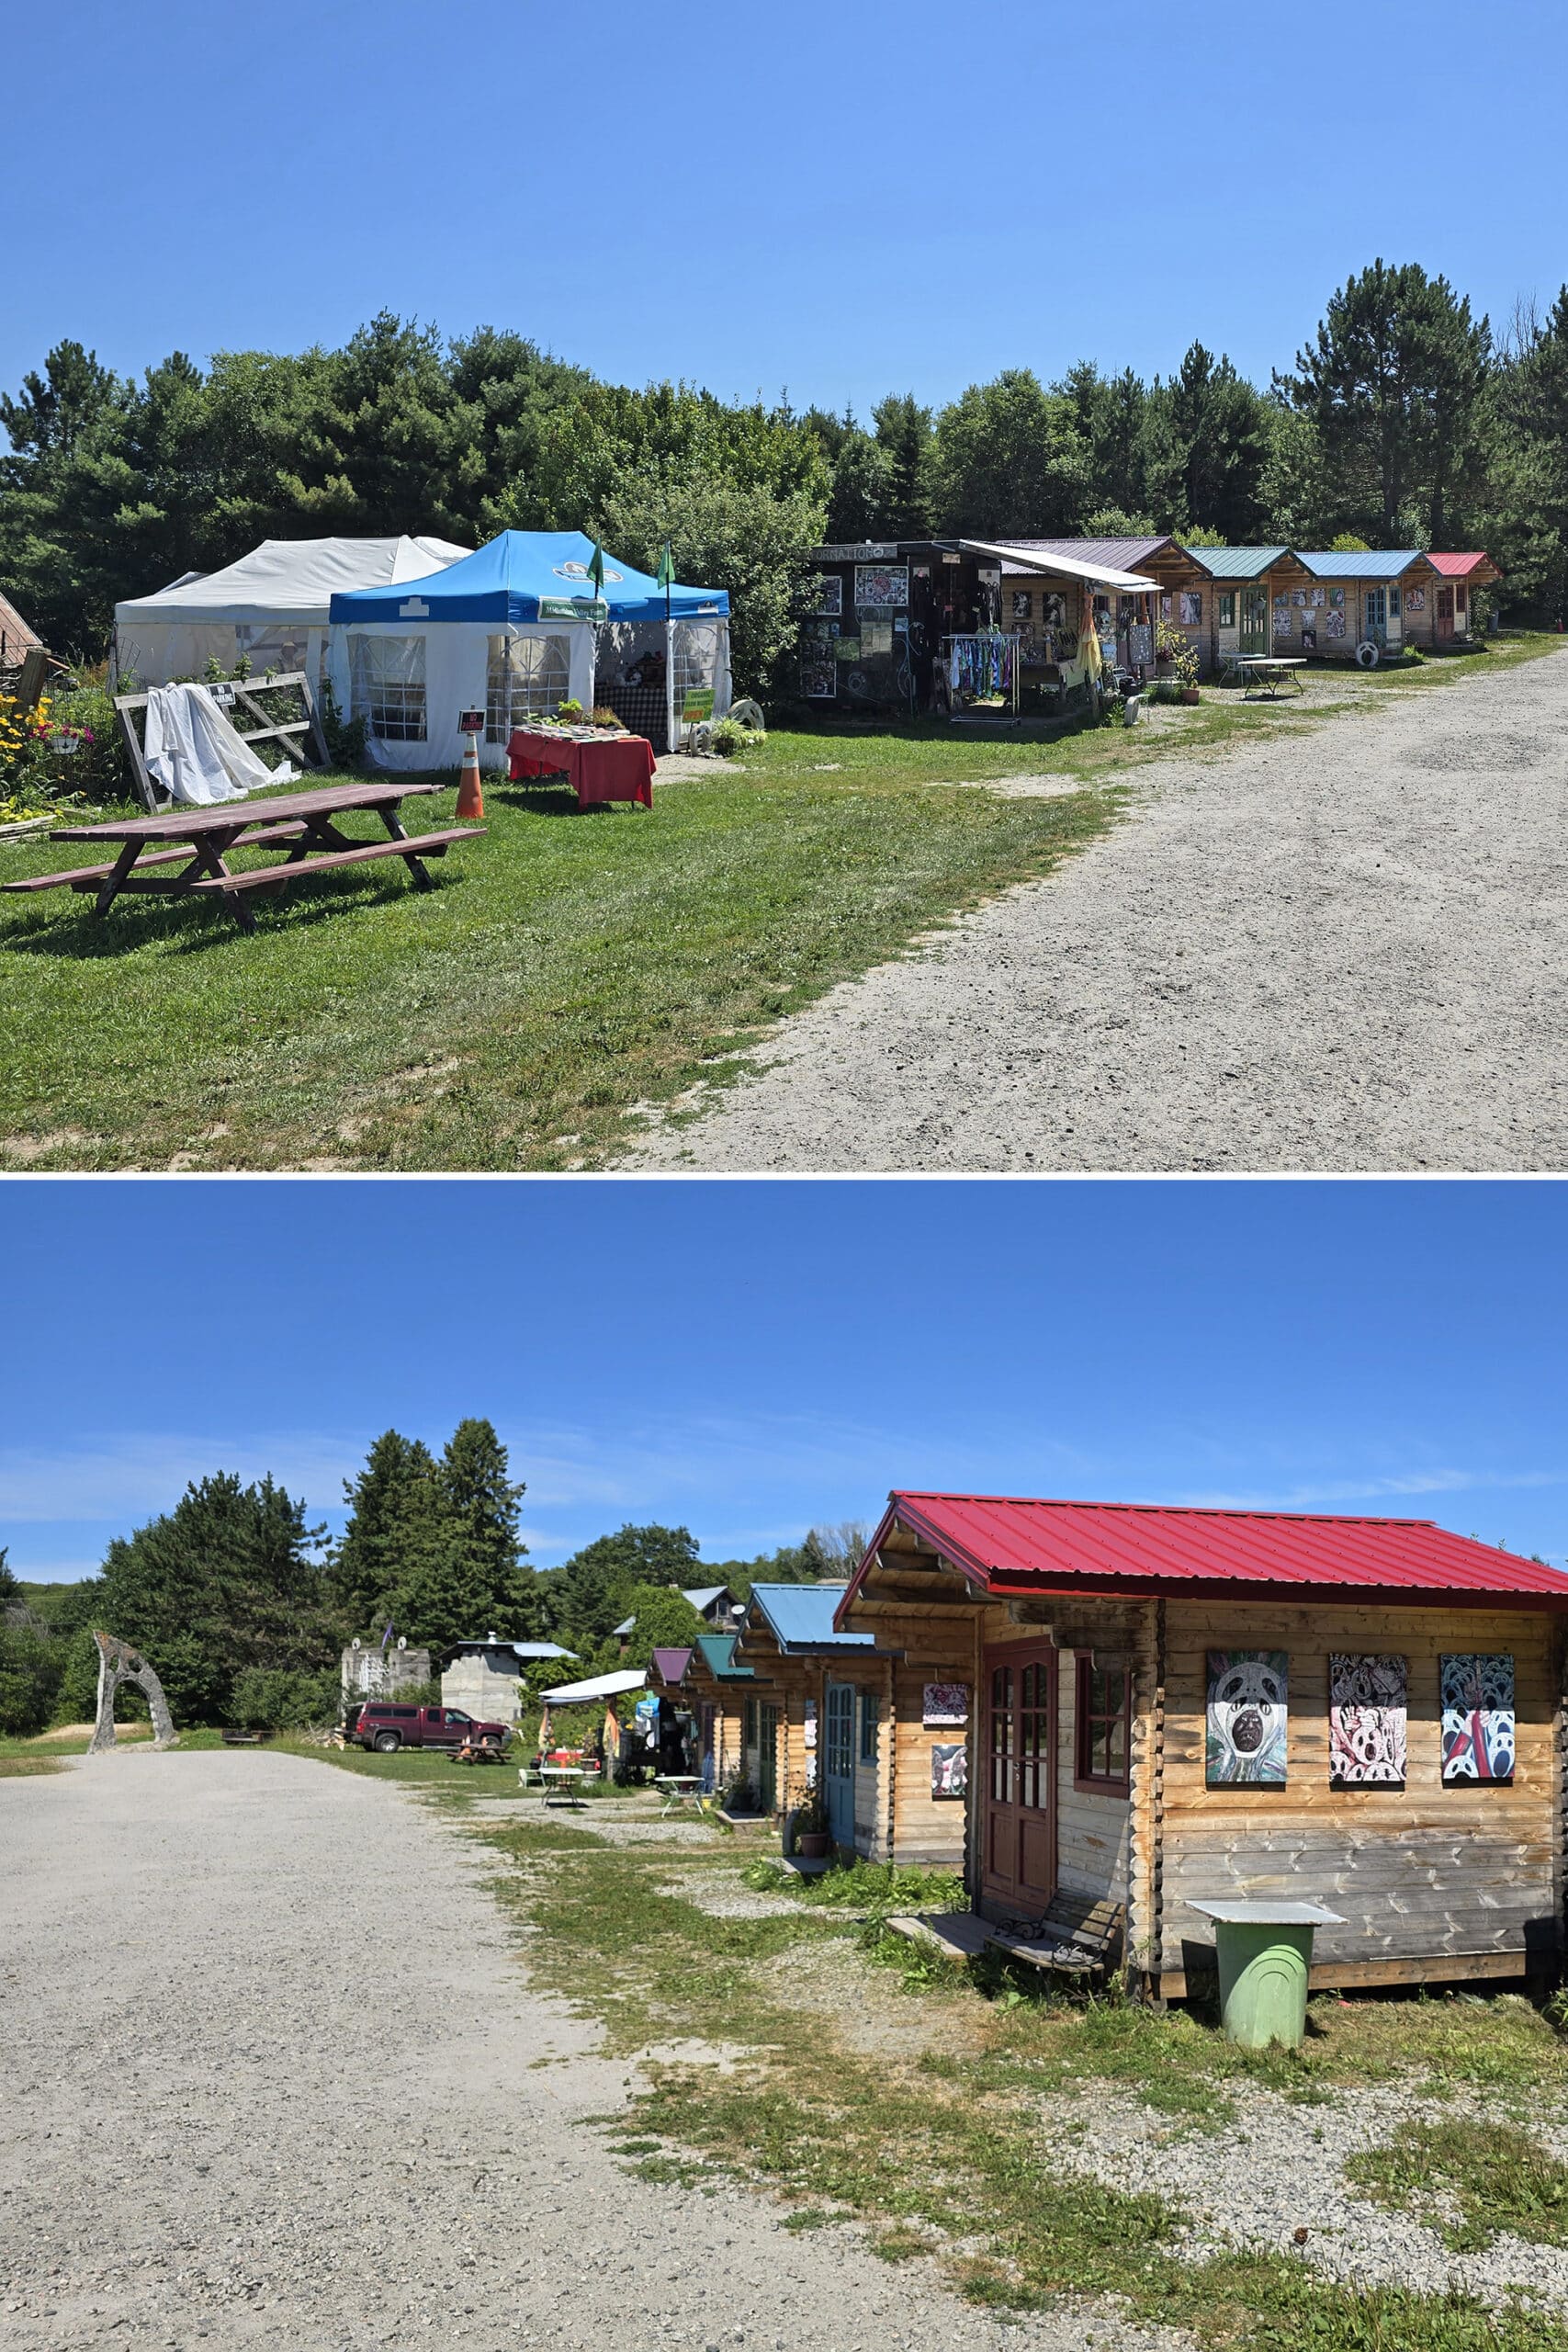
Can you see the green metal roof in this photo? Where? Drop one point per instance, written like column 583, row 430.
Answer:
column 720, row 1650
column 1237, row 563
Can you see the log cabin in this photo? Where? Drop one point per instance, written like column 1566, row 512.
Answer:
column 1246, row 585
column 1443, row 613
column 846, row 1714
column 707, row 1679
column 1179, row 1705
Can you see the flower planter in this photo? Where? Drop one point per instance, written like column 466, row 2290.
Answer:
column 1190, row 693
column 812, row 1845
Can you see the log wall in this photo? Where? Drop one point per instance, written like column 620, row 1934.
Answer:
column 1433, row 1880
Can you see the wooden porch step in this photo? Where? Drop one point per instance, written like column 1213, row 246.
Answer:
column 1076, row 1935
column 959, row 1935
column 268, row 877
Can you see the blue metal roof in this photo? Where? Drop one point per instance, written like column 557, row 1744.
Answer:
column 1237, row 563
column 800, row 1616
column 1359, row 563
column 526, row 576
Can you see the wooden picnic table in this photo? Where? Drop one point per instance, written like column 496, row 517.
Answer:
column 302, row 822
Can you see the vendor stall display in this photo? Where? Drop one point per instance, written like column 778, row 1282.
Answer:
column 530, row 621
column 599, row 763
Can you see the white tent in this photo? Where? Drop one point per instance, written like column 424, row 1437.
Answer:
column 271, row 606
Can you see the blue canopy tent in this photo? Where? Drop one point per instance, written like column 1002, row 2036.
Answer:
column 513, row 630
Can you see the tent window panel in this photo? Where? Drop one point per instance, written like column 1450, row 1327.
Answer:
column 389, row 686
column 526, row 677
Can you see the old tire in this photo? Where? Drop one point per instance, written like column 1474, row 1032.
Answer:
column 1367, row 654
column 386, row 1742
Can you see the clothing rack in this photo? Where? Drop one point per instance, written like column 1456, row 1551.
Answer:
column 982, row 662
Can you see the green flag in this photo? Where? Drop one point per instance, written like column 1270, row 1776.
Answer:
column 665, row 575
column 596, row 570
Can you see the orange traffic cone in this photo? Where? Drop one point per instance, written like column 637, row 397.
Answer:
column 470, row 799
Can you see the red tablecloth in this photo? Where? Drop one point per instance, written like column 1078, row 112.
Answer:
column 617, row 767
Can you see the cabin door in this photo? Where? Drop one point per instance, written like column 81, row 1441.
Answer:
column 1445, row 616
column 1377, row 616
column 1255, row 620
column 838, row 1763
column 767, row 1760
column 1018, row 1867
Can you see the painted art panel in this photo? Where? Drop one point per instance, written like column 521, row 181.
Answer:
column 882, row 587
column 950, row 1769
column 1192, row 607
column 818, row 681
column 1368, row 1720
column 945, row 1702
column 1246, row 1714
column 1477, row 1690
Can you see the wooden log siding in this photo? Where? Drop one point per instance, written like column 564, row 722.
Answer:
column 1433, row 1881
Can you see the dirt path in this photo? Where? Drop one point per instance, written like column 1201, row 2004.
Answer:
column 1344, row 949
column 272, row 2077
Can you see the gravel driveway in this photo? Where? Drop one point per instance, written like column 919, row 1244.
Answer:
column 273, row 2077
column 1342, row 949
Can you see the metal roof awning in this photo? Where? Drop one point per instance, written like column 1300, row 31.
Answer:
column 1064, row 567
column 598, row 1686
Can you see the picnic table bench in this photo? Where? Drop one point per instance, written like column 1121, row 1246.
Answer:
column 301, row 821
column 1268, row 672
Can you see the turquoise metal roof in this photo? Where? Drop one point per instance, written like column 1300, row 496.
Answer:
column 1237, row 563
column 1359, row 563
column 800, row 1616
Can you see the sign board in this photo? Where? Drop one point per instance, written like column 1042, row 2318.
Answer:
column 471, row 722
column 698, row 704
column 223, row 696
column 573, row 608
column 862, row 551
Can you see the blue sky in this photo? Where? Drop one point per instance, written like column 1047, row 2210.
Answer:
column 748, row 1358
column 868, row 198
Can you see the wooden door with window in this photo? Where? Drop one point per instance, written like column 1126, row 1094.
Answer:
column 839, row 1761
column 1017, row 1865
column 1445, row 616
column 1254, row 620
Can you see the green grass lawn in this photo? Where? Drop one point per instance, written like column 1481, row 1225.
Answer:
column 566, row 968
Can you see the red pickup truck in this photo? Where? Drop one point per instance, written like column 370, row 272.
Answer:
column 383, row 1725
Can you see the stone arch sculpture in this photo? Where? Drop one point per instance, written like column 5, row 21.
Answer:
column 117, row 1663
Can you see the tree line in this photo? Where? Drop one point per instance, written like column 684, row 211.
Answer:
column 1404, row 420
column 243, row 1606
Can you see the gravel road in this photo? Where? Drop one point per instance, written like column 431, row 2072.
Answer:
column 1341, row 949
column 272, row 2078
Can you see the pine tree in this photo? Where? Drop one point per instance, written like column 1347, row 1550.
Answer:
column 391, row 1494
column 903, row 435
column 485, row 1552
column 223, row 1582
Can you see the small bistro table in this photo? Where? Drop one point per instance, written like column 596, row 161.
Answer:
column 303, row 820
column 677, row 1789
column 561, row 1784
column 597, row 765
column 1267, row 671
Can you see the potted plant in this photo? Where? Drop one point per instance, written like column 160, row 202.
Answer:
column 1175, row 656
column 812, row 1841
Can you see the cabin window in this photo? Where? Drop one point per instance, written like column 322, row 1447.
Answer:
column 1103, row 1727
column 1227, row 607
column 1459, row 597
column 749, row 1724
column 870, row 1720
column 1393, row 604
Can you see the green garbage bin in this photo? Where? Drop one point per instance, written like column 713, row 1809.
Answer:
column 1264, row 1952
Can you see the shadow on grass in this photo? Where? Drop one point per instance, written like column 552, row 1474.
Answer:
column 192, row 926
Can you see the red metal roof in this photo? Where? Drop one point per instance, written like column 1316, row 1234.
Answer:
column 1459, row 566
column 1009, row 1544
